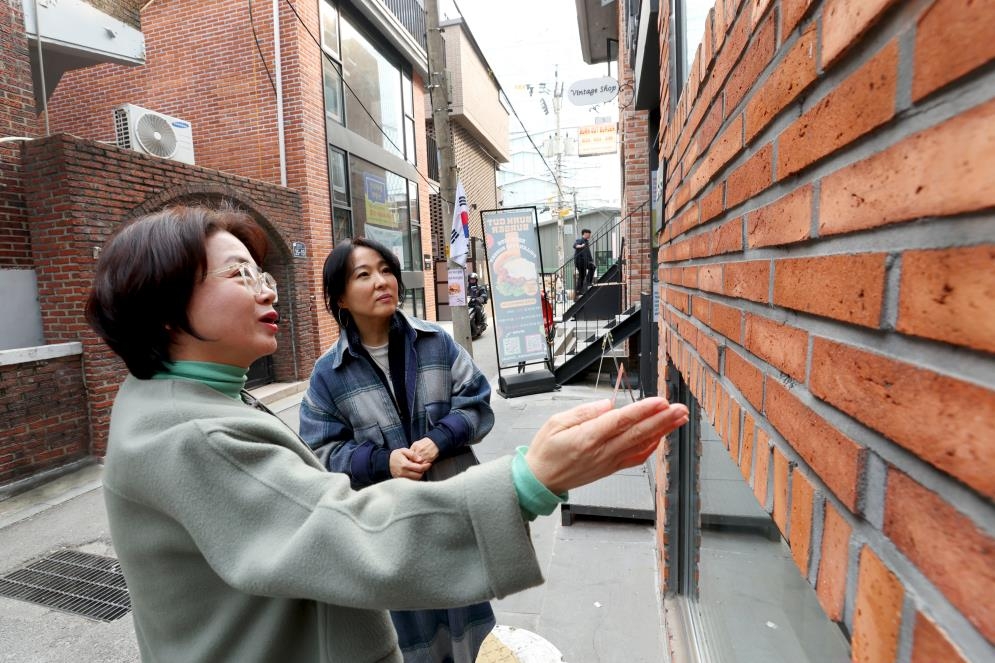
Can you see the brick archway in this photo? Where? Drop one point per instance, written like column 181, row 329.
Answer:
column 78, row 192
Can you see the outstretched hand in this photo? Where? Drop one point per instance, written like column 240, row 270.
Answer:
column 592, row 441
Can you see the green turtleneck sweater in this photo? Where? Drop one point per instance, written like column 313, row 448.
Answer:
column 229, row 380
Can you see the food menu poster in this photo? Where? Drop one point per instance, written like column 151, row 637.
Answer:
column 457, row 289
column 512, row 242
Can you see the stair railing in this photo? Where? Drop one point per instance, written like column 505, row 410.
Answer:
column 608, row 250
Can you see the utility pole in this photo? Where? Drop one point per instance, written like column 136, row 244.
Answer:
column 439, row 94
column 557, row 106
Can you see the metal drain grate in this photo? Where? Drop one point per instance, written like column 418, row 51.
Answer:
column 80, row 583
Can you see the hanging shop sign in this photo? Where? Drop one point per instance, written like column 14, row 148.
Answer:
column 591, row 91
column 597, row 139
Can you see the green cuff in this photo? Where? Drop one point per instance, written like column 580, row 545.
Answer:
column 533, row 497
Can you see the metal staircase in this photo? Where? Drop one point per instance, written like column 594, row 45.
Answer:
column 598, row 344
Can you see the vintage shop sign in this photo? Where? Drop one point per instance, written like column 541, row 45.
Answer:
column 591, row 91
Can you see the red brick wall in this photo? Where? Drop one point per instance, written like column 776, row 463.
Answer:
column 830, row 297
column 43, row 407
column 634, row 153
column 80, row 191
column 17, row 118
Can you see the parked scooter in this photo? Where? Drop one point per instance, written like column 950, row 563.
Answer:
column 477, row 296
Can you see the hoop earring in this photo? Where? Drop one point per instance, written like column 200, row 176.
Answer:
column 343, row 323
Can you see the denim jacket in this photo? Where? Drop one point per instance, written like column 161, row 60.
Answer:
column 352, row 422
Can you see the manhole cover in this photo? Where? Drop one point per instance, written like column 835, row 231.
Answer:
column 80, row 583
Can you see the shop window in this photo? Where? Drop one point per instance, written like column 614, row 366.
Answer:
column 332, row 84
column 374, row 103
column 380, row 208
column 739, row 594
column 330, row 29
column 414, row 302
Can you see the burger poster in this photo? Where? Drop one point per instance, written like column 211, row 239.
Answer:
column 513, row 258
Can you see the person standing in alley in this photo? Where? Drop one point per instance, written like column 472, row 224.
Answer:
column 396, row 397
column 583, row 262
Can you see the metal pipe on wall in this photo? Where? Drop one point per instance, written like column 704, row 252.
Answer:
column 41, row 68
column 279, row 92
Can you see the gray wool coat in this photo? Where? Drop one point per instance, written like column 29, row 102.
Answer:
column 238, row 546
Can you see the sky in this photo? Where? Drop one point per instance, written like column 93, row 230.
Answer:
column 530, row 42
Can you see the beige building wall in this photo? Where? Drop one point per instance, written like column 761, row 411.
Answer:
column 475, row 101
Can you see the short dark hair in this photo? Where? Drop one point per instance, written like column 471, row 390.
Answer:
column 335, row 275
column 146, row 275
column 585, row 230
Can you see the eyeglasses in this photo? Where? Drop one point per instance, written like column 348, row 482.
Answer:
column 253, row 279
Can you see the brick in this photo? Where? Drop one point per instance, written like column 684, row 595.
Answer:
column 891, row 397
column 747, row 378
column 834, row 457
column 736, row 39
column 746, row 457
column 931, row 645
column 719, row 154
column 865, row 100
column 844, row 21
column 679, row 300
column 946, row 295
column 758, row 54
column 844, row 287
column 780, row 513
column 793, row 75
column 877, row 612
column 761, row 466
column 711, row 203
column 710, row 278
column 940, row 171
column 949, row 549
column 784, row 221
column 733, row 437
column 751, row 178
column 748, row 280
column 782, row 346
column 708, row 348
column 953, row 38
column 792, row 12
column 721, row 410
column 727, row 238
column 701, row 308
column 726, row 320
column 801, row 520
column 830, row 586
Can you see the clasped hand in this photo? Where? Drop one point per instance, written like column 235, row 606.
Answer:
column 413, row 462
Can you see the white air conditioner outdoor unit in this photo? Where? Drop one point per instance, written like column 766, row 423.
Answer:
column 153, row 133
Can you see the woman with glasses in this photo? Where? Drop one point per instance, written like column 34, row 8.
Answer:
column 235, row 542
column 397, row 398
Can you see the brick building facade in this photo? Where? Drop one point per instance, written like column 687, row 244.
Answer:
column 829, row 298
column 634, row 149
column 56, row 402
column 213, row 67
column 17, row 118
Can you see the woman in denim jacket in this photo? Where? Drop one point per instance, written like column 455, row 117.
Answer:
column 396, row 397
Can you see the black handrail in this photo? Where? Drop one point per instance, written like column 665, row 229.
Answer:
column 562, row 278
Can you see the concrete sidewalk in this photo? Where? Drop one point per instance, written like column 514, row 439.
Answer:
column 599, row 603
